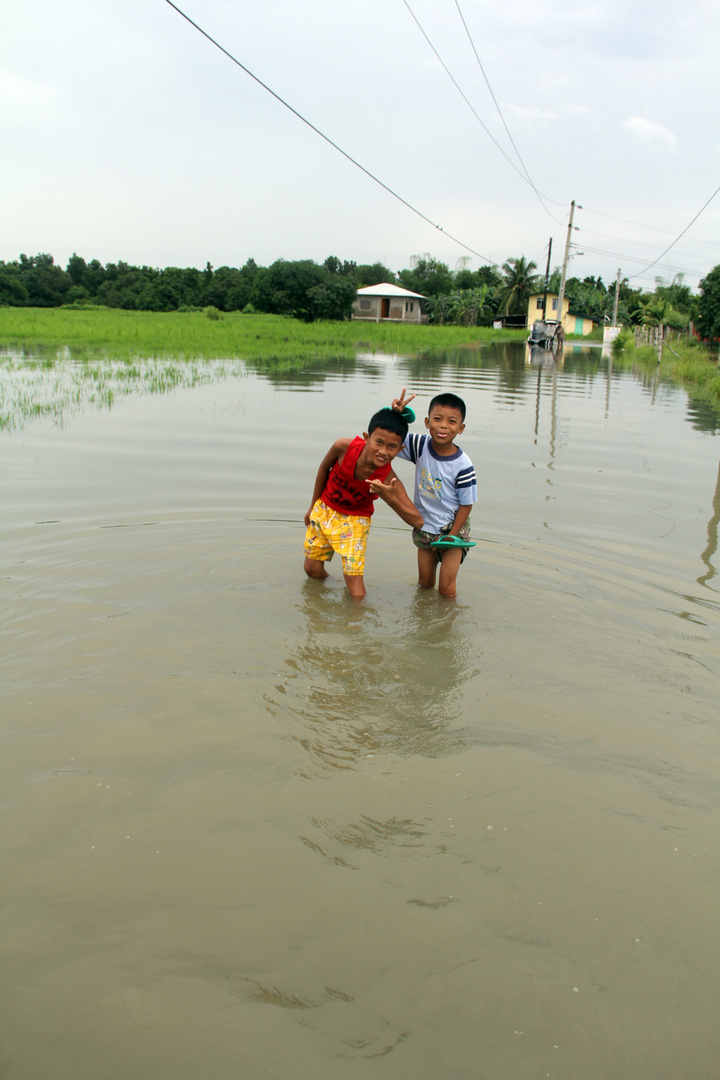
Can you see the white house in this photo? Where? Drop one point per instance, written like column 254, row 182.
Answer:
column 385, row 301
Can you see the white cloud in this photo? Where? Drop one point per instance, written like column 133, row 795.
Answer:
column 647, row 131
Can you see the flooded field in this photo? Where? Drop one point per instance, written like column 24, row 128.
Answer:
column 252, row 829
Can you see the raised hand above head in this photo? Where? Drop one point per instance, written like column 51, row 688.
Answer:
column 399, row 403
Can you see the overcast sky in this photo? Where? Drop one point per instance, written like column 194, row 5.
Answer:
column 127, row 135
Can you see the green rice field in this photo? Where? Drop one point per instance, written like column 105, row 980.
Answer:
column 195, row 335
column 55, row 360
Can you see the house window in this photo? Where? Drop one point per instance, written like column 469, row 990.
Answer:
column 408, row 305
column 555, row 304
column 365, row 305
column 539, row 304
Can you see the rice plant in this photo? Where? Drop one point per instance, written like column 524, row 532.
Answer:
column 192, row 335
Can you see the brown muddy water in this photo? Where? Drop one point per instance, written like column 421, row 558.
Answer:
column 251, row 829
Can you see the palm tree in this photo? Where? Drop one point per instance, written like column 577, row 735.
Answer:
column 477, row 305
column 438, row 307
column 590, row 300
column 677, row 293
column 520, row 283
column 656, row 312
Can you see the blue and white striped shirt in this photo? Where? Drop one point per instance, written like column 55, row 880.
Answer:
column 442, row 484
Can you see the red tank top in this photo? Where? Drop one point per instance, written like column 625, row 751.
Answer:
column 343, row 492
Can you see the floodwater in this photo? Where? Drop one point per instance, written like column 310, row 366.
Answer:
column 253, row 829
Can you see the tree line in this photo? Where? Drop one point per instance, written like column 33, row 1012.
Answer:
column 308, row 290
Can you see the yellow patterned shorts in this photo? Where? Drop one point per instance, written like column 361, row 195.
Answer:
column 330, row 531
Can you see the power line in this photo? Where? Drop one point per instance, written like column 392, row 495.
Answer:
column 526, row 178
column 628, row 258
column 462, row 93
column 507, row 129
column 639, row 244
column 652, row 228
column 326, row 137
column 527, row 174
column 702, row 208
column 394, row 193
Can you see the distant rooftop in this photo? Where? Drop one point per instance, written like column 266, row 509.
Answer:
column 385, row 289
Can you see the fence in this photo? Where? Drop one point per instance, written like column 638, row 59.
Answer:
column 655, row 335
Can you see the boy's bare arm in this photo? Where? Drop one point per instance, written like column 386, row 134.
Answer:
column 335, row 452
column 461, row 516
column 395, row 495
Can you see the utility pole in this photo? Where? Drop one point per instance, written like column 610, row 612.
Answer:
column 547, row 275
column 561, row 297
column 617, row 297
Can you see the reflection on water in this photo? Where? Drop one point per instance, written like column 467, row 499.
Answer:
column 712, row 535
column 357, row 688
column 58, row 384
column 252, row 828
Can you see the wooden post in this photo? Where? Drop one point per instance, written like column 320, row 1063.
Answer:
column 617, row 297
column 563, row 276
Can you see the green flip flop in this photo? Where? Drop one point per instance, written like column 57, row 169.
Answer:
column 452, row 542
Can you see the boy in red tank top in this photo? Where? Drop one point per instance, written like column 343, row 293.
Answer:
column 352, row 475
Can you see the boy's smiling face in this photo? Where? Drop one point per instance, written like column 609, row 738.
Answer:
column 444, row 424
column 382, row 446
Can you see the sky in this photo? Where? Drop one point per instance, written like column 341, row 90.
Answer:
column 127, row 135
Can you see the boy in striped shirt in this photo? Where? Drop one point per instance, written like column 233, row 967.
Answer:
column 445, row 489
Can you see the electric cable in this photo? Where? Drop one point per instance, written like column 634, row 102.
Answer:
column 700, row 211
column 327, row 138
column 525, row 178
column 638, row 244
column 629, row 258
column 652, row 228
column 462, row 93
column 540, row 196
column 409, row 205
column 512, row 141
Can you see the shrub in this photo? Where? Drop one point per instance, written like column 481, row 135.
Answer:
column 623, row 339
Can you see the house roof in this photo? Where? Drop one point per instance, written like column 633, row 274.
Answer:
column 385, row 289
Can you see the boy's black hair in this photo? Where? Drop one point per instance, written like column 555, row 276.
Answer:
column 389, row 420
column 450, row 401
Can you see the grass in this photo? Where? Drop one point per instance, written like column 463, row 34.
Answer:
column 58, row 360
column 30, row 389
column 193, row 335
column 690, row 365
